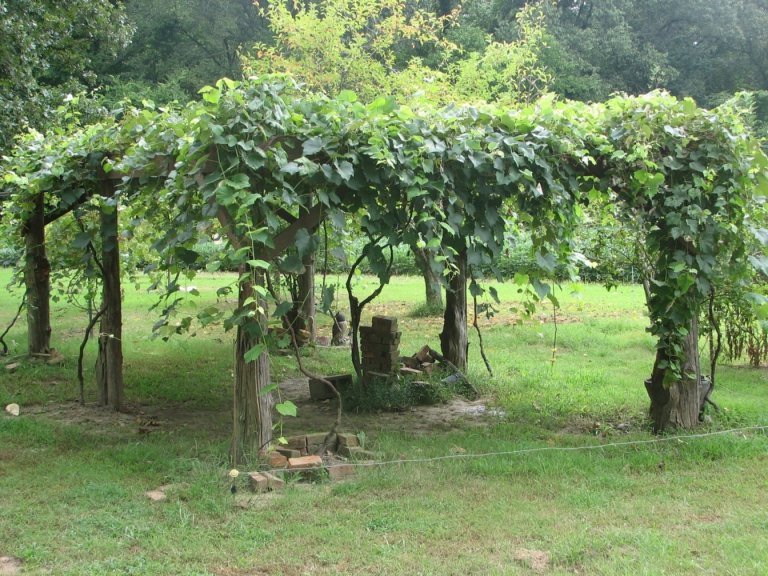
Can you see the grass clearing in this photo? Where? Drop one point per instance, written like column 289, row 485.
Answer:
column 72, row 480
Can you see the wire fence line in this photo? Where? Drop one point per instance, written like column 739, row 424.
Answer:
column 533, row 450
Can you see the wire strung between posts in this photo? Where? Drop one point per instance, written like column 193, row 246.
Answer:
column 660, row 440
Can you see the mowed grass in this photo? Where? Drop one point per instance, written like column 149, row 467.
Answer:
column 551, row 501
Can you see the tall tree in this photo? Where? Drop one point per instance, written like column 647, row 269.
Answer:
column 48, row 49
column 706, row 49
column 182, row 45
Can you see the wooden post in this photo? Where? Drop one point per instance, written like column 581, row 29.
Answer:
column 432, row 285
column 306, row 285
column 251, row 406
column 453, row 339
column 109, row 364
column 677, row 405
column 37, row 272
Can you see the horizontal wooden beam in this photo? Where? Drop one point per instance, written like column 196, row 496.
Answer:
column 308, row 220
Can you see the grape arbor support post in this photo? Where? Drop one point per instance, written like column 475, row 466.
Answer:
column 252, row 402
column 454, row 342
column 37, row 272
column 109, row 363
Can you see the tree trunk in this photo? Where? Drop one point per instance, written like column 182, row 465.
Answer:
column 306, row 302
column 37, row 272
column 252, row 408
column 453, row 338
column 109, row 364
column 677, row 405
column 432, row 285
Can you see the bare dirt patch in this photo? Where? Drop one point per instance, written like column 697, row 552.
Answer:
column 9, row 566
column 138, row 419
column 313, row 416
column 456, row 414
column 536, row 560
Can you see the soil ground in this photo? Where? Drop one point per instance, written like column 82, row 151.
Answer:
column 456, row 414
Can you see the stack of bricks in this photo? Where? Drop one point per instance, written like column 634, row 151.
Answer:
column 380, row 348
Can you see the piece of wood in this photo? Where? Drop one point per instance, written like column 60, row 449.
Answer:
column 308, row 220
column 252, row 408
column 453, row 339
column 109, row 363
column 37, row 272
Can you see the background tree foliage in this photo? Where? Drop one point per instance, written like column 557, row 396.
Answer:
column 49, row 49
column 388, row 47
column 182, row 45
column 580, row 49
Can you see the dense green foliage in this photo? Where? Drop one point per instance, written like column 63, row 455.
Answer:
column 582, row 49
column 386, row 47
column 707, row 49
column 453, row 180
column 181, row 46
column 49, row 49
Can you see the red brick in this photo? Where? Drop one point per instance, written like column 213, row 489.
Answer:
column 259, row 482
column 277, row 460
column 305, row 462
column 288, row 452
column 340, row 471
column 383, row 324
column 274, row 482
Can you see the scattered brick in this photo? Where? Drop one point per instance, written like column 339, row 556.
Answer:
column 259, row 482
column 341, row 471
column 274, row 482
column 277, row 460
column 288, row 452
column 348, row 440
column 312, row 461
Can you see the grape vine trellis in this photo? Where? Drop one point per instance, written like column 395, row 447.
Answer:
column 268, row 162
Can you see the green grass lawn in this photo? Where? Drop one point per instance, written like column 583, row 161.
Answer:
column 72, row 480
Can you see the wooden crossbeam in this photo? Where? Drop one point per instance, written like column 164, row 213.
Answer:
column 309, row 220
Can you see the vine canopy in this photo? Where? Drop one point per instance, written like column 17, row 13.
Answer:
column 254, row 157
